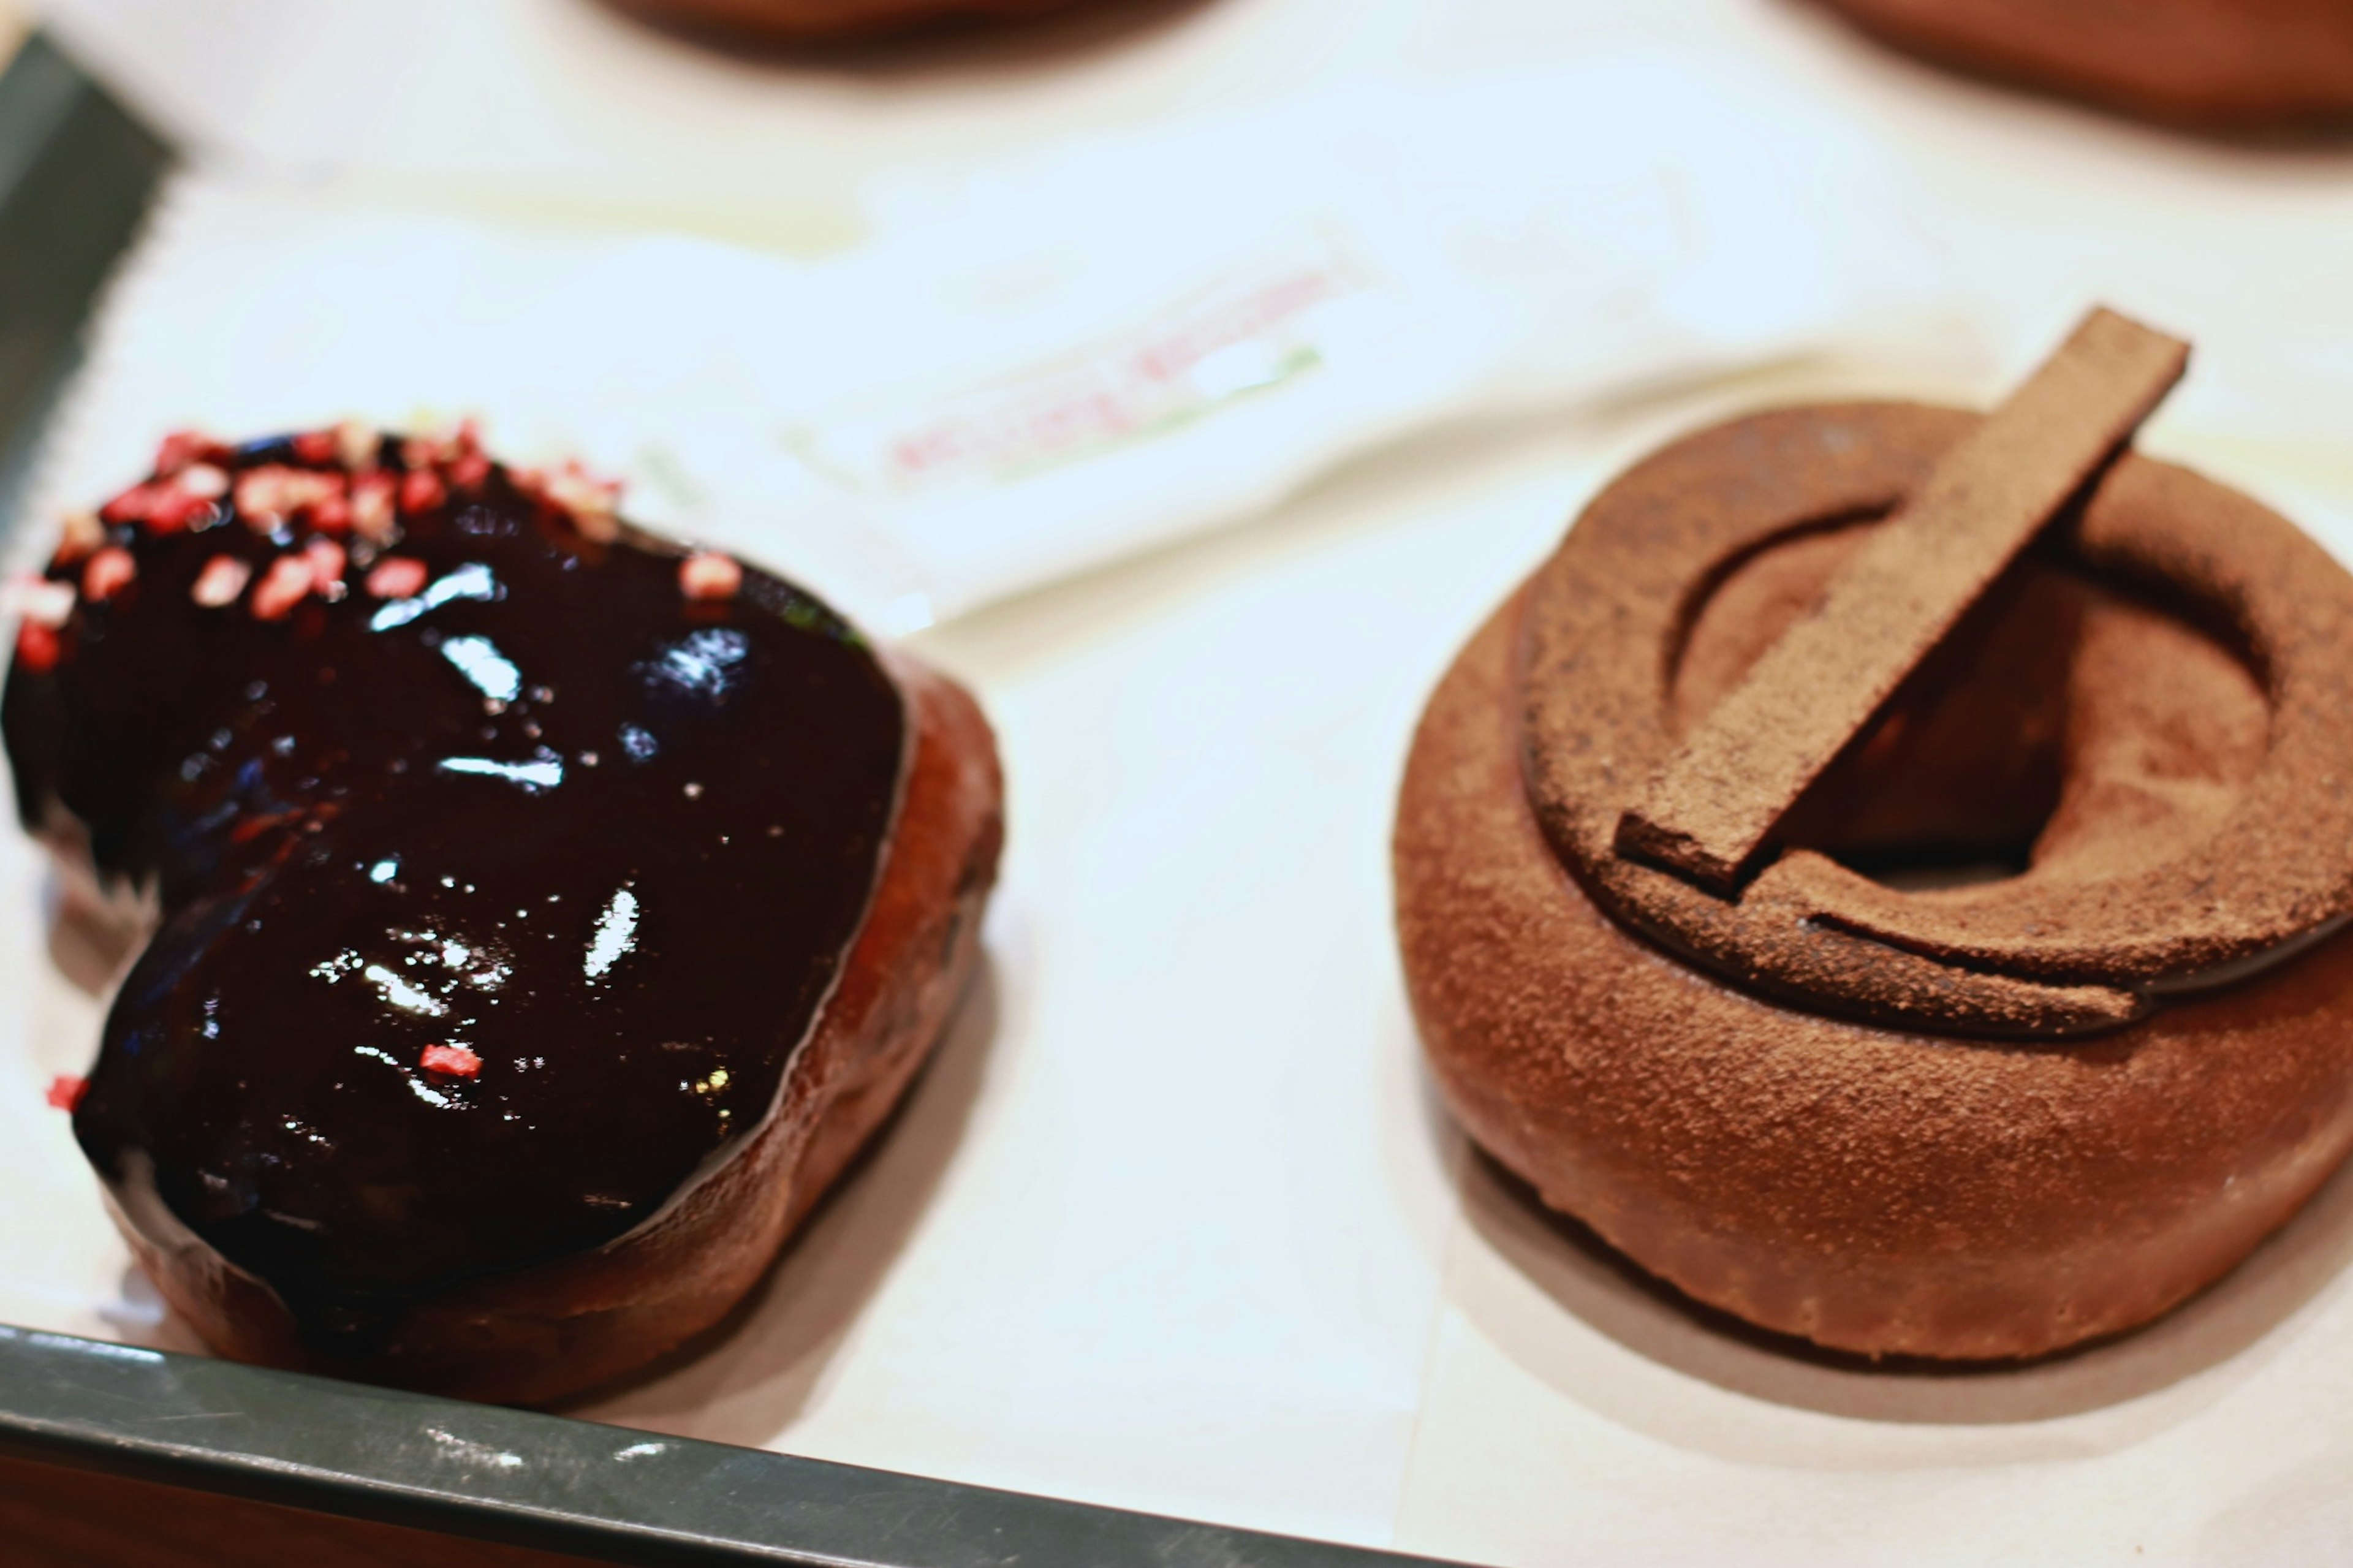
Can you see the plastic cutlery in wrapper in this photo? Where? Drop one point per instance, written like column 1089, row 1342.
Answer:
column 1065, row 359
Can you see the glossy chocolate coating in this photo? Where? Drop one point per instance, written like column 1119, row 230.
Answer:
column 613, row 841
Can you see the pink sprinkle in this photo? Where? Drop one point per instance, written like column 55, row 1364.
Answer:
column 110, row 572
column 326, row 558
column 82, row 534
column 467, row 470
column 267, row 496
column 286, row 584
column 397, row 577
column 182, row 448
column 204, row 481
column 588, row 501
column 222, row 580
column 372, row 517
column 39, row 601
column 65, row 1091
column 421, row 491
column 355, row 444
column 315, row 446
column 262, row 499
column 709, row 576
column 455, row 1060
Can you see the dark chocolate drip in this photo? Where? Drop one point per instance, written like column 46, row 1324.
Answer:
column 609, row 840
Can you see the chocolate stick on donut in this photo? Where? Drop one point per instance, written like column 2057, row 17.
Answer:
column 1734, row 780
column 1885, row 1099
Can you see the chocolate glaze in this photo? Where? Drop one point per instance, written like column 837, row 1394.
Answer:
column 612, row 840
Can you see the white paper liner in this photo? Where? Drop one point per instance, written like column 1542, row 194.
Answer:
column 1174, row 1224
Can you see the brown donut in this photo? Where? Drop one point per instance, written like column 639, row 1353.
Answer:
column 817, row 21
column 1899, row 1185
column 2247, row 63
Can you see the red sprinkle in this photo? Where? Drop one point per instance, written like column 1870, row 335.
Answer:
column 315, row 446
column 455, row 1060
column 162, row 505
column 222, row 580
column 182, row 448
column 36, row 647
column 66, row 1093
column 110, row 572
column 331, row 515
column 421, row 491
column 326, row 558
column 175, row 509
column 397, row 577
column 709, row 576
column 286, row 584
column 133, row 505
column 468, row 470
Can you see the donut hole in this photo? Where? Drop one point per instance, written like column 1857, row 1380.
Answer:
column 2071, row 728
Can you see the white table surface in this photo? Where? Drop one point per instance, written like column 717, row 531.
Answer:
column 1173, row 1223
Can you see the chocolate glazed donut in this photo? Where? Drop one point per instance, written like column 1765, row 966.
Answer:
column 1899, row 1131
column 546, row 914
column 2220, row 63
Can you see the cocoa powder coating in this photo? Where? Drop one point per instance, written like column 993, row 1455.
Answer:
column 1985, row 1119
column 2073, row 945
column 2226, row 64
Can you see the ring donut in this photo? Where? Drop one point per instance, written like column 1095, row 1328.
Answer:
column 2224, row 63
column 1980, row 1120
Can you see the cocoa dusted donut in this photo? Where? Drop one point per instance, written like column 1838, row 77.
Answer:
column 543, row 914
column 2031, row 1018
column 816, row 21
column 2224, row 63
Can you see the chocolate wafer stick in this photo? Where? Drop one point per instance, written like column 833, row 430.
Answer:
column 1713, row 807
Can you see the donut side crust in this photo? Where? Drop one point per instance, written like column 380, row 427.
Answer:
column 822, row 21
column 1873, row 1191
column 2219, row 63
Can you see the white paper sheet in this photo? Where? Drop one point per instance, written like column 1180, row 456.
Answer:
column 1173, row 1224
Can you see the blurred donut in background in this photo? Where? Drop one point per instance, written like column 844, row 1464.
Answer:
column 817, row 21
column 2223, row 64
